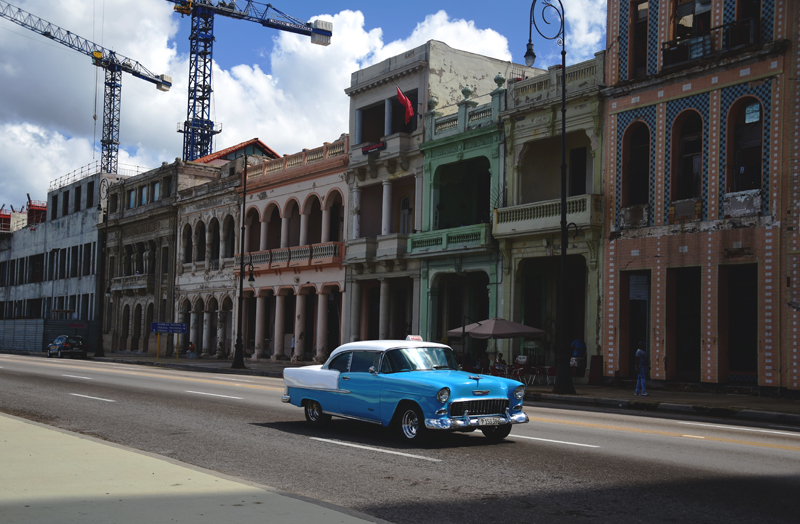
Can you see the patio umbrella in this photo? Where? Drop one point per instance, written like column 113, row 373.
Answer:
column 496, row 328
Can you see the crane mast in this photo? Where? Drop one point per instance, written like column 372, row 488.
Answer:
column 198, row 129
column 113, row 63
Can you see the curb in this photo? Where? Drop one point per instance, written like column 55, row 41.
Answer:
column 668, row 407
column 190, row 367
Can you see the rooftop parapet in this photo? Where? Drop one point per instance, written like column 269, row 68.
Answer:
column 581, row 78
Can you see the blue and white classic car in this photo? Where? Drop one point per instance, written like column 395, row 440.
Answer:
column 413, row 385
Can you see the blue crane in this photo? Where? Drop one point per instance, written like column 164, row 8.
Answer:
column 198, row 129
column 113, row 63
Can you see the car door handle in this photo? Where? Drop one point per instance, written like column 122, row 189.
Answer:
column 345, row 378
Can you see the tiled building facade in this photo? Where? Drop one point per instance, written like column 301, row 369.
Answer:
column 699, row 175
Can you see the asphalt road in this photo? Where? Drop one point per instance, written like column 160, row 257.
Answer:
column 564, row 466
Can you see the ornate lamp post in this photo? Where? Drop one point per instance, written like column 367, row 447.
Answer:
column 556, row 9
column 238, row 350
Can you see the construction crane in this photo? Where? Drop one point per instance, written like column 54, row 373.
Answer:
column 198, row 129
column 113, row 63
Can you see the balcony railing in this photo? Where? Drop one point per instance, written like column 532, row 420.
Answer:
column 547, row 87
column 542, row 217
column 741, row 33
column 457, row 239
column 297, row 257
column 309, row 156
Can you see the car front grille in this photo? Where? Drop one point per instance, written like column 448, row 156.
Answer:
column 489, row 406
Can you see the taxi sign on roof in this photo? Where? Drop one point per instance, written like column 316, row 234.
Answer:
column 414, row 337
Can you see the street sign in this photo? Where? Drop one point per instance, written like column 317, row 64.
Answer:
column 167, row 327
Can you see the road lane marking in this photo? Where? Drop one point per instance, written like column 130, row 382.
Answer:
column 236, row 379
column 664, row 433
column 737, row 428
column 692, row 436
column 76, row 376
column 214, row 395
column 370, row 448
column 93, row 398
column 556, row 441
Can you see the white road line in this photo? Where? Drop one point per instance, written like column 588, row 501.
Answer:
column 214, row 395
column 797, row 435
column 236, row 379
column 93, row 398
column 556, row 441
column 76, row 376
column 375, row 449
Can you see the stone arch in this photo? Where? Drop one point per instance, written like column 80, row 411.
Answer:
column 334, row 205
column 272, row 219
column 228, row 237
column 252, row 238
column 291, row 212
column 636, row 146
column 200, row 241
column 187, row 244
column 312, row 208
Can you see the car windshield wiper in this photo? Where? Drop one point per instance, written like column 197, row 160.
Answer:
column 442, row 367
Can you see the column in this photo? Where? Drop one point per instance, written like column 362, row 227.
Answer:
column 246, row 237
column 284, row 231
column 207, row 350
column 263, row 240
column 383, row 322
column 359, row 127
column 303, row 229
column 261, row 310
column 299, row 327
column 415, row 305
column 417, row 202
column 183, row 318
column 195, row 331
column 356, row 212
column 387, row 117
column 355, row 311
column 386, row 218
column 321, row 327
column 220, row 333
column 326, row 225
column 277, row 344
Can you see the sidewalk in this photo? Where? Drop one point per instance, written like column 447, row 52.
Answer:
column 735, row 406
column 51, row 475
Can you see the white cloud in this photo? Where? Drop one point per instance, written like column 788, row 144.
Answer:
column 46, row 112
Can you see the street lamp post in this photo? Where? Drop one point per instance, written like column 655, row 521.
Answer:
column 238, row 350
column 554, row 7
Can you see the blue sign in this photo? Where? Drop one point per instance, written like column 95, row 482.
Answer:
column 167, row 327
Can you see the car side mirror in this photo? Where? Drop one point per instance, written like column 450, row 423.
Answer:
column 373, row 370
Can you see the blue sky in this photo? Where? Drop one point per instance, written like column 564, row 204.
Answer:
column 267, row 84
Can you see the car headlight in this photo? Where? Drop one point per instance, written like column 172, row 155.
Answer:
column 443, row 395
column 519, row 393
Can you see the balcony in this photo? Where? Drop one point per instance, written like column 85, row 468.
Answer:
column 634, row 217
column 742, row 203
column 391, row 246
column 546, row 88
column 688, row 210
column 296, row 258
column 735, row 35
column 450, row 241
column 361, row 250
column 545, row 217
column 142, row 284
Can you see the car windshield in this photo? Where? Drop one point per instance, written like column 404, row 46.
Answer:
column 75, row 340
column 416, row 359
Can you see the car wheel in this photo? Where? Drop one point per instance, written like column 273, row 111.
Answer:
column 315, row 415
column 59, row 353
column 496, row 433
column 412, row 424
column 47, row 353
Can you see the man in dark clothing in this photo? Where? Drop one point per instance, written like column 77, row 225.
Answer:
column 641, row 368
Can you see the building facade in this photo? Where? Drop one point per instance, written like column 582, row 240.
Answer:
column 294, row 246
column 701, row 174
column 527, row 224
column 386, row 179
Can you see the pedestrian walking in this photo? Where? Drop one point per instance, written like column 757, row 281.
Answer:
column 641, row 368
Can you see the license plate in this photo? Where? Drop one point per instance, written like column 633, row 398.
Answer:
column 490, row 421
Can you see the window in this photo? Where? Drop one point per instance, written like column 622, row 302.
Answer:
column 77, row 205
column 745, row 155
column 405, row 216
column 637, row 168
column 167, row 187
column 692, row 18
column 638, row 43
column 363, row 360
column 156, row 187
column 112, row 203
column 89, row 194
column 689, row 161
column 341, row 363
column 143, row 195
column 54, row 208
column 577, row 171
column 65, row 203
column 131, row 199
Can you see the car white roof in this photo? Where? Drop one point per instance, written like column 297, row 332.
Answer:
column 385, row 345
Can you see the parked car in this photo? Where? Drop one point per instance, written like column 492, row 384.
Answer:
column 415, row 386
column 67, row 345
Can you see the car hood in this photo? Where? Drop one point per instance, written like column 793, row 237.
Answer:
column 459, row 382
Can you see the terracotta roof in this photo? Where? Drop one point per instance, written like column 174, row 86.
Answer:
column 228, row 150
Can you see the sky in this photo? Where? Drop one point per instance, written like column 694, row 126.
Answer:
column 269, row 84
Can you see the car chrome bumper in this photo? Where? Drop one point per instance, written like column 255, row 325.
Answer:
column 473, row 421
column 286, row 399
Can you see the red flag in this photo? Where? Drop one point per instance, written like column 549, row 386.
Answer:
column 403, row 99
